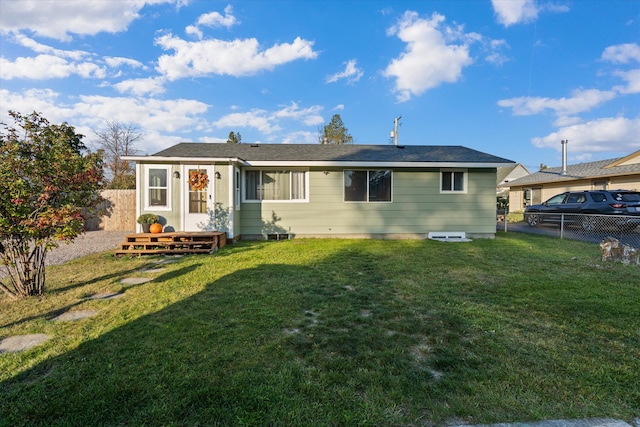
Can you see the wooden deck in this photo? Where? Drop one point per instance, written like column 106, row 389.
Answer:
column 187, row 242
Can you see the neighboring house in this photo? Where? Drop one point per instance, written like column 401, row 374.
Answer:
column 613, row 174
column 317, row 190
column 506, row 175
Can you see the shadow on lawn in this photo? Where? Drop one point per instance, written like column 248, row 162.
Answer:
column 55, row 312
column 340, row 341
column 278, row 344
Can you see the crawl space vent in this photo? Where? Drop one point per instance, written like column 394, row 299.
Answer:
column 449, row 236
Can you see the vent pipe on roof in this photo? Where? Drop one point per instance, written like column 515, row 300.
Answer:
column 394, row 133
column 564, row 156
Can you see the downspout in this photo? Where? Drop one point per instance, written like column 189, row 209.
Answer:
column 232, row 201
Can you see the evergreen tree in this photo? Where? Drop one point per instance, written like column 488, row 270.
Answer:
column 234, row 138
column 335, row 132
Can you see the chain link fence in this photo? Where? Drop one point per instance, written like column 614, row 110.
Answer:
column 585, row 227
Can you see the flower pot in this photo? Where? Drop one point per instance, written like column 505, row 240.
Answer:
column 145, row 227
column 155, row 228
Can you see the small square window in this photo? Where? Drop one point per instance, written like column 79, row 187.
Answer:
column 453, row 181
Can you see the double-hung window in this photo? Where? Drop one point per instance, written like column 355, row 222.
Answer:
column 158, row 191
column 275, row 185
column 453, row 181
column 367, row 185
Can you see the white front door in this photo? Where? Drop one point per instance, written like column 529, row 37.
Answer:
column 198, row 199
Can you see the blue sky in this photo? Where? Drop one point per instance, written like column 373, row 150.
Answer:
column 508, row 77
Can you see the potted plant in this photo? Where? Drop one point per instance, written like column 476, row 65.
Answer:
column 146, row 220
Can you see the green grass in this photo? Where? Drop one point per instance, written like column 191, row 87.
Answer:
column 332, row 332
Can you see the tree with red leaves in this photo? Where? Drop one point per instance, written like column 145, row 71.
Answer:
column 47, row 179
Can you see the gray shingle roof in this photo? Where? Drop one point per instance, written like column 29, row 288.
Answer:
column 574, row 172
column 320, row 152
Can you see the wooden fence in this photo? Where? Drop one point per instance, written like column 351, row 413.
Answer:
column 120, row 212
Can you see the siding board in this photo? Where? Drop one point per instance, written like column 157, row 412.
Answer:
column 417, row 208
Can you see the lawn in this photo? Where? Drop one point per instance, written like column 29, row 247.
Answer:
column 332, row 332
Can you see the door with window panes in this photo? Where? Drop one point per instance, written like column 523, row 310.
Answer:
column 198, row 198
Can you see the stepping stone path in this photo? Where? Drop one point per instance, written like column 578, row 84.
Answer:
column 75, row 315
column 151, row 270
column 135, row 280
column 25, row 342
column 105, row 295
column 22, row 342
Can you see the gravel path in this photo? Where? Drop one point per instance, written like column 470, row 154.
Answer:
column 85, row 244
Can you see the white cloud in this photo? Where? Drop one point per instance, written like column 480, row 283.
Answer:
column 156, row 118
column 567, row 121
column 300, row 137
column 215, row 19
column 428, row 60
column 511, row 12
column 596, row 136
column 622, row 53
column 350, row 72
column 155, row 114
column 494, row 55
column 258, row 119
column 193, row 30
column 58, row 63
column 29, row 43
column 117, row 61
column 212, row 19
column 268, row 122
column 141, row 87
column 338, row 107
column 580, row 101
column 61, row 18
column 212, row 140
column 47, row 66
column 309, row 116
column 45, row 101
column 632, row 78
column 234, row 58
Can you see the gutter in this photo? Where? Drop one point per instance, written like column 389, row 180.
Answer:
column 195, row 160
column 308, row 163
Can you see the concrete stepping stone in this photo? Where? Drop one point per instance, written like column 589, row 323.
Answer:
column 75, row 315
column 22, row 342
column 151, row 270
column 105, row 295
column 135, row 280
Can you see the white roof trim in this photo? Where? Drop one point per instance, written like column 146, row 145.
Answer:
column 356, row 164
column 152, row 159
column 323, row 163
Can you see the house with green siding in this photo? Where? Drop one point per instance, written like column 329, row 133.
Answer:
column 259, row 191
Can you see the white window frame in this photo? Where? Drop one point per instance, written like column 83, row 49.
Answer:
column 465, row 181
column 368, row 171
column 147, row 188
column 276, row 169
column 237, row 188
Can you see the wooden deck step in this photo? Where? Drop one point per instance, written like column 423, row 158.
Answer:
column 192, row 242
column 162, row 251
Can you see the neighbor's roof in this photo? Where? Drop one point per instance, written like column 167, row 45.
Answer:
column 329, row 154
column 599, row 169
